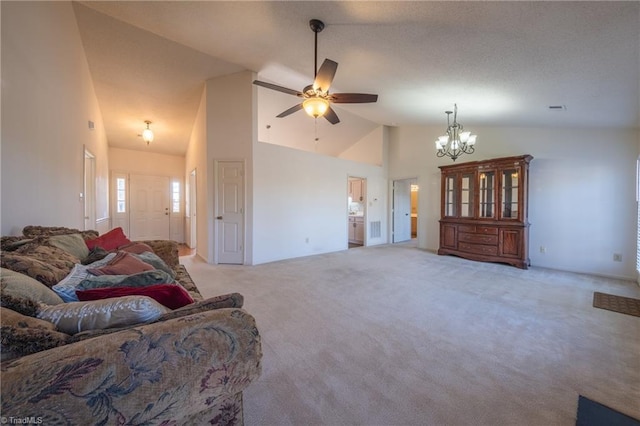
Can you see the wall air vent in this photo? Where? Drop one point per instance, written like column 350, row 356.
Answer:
column 375, row 229
column 557, row 107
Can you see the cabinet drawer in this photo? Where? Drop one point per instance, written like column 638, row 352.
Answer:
column 492, row 230
column 478, row 238
column 466, row 228
column 478, row 248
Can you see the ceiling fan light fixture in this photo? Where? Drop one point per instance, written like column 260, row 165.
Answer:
column 147, row 134
column 315, row 107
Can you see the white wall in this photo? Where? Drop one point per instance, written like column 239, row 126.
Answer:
column 300, row 195
column 147, row 163
column 47, row 101
column 369, row 149
column 231, row 135
column 581, row 192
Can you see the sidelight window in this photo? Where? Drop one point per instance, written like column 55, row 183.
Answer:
column 121, row 195
column 175, row 196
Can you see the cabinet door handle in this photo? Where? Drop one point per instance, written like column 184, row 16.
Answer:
column 219, row 217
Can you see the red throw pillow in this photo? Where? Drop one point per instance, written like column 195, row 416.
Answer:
column 109, row 241
column 170, row 295
column 122, row 264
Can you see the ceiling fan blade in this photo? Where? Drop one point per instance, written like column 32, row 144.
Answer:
column 290, row 111
column 325, row 75
column 331, row 116
column 277, row 88
column 353, row 98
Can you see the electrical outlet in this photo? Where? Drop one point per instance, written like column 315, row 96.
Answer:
column 543, row 249
column 617, row 257
column 306, row 240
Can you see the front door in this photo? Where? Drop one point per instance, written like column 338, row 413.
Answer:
column 401, row 210
column 230, row 212
column 149, row 219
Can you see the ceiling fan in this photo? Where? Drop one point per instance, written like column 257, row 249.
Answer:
column 316, row 97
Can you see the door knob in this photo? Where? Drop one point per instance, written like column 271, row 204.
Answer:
column 219, row 217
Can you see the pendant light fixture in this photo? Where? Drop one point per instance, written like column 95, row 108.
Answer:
column 147, row 134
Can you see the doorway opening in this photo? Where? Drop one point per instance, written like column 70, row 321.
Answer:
column 405, row 210
column 191, row 209
column 356, row 211
column 89, row 190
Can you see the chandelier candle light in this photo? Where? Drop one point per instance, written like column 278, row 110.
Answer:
column 456, row 142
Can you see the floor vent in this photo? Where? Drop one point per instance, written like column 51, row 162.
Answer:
column 374, row 229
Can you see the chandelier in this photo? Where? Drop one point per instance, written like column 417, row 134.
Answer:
column 456, row 142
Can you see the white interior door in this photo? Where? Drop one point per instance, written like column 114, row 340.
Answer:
column 150, row 218
column 401, row 210
column 230, row 212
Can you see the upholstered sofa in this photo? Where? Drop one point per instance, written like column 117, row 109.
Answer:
column 188, row 365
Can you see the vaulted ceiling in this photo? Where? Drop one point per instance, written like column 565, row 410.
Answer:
column 503, row 63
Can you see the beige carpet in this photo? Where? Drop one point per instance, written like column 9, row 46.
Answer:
column 394, row 335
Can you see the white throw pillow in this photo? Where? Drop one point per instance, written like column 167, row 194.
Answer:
column 74, row 317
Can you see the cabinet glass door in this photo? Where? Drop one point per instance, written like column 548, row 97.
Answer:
column 450, row 196
column 487, row 193
column 510, row 193
column 466, row 195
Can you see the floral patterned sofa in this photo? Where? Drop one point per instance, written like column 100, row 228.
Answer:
column 188, row 366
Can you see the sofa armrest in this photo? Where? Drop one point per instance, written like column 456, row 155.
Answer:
column 154, row 373
column 167, row 250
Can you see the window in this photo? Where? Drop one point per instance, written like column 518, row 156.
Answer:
column 175, row 197
column 121, row 195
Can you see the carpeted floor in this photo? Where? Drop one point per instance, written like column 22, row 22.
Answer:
column 394, row 335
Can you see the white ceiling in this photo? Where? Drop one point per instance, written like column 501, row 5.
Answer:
column 503, row 63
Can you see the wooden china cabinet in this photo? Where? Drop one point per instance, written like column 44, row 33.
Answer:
column 484, row 210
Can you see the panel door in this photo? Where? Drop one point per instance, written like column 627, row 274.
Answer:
column 150, row 218
column 401, row 210
column 230, row 212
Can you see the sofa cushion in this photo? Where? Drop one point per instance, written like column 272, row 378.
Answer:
column 171, row 296
column 45, row 264
column 231, row 300
column 71, row 243
column 74, row 317
column 22, row 306
column 22, row 286
column 110, row 240
column 32, row 231
column 23, row 335
column 122, row 264
column 12, row 243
